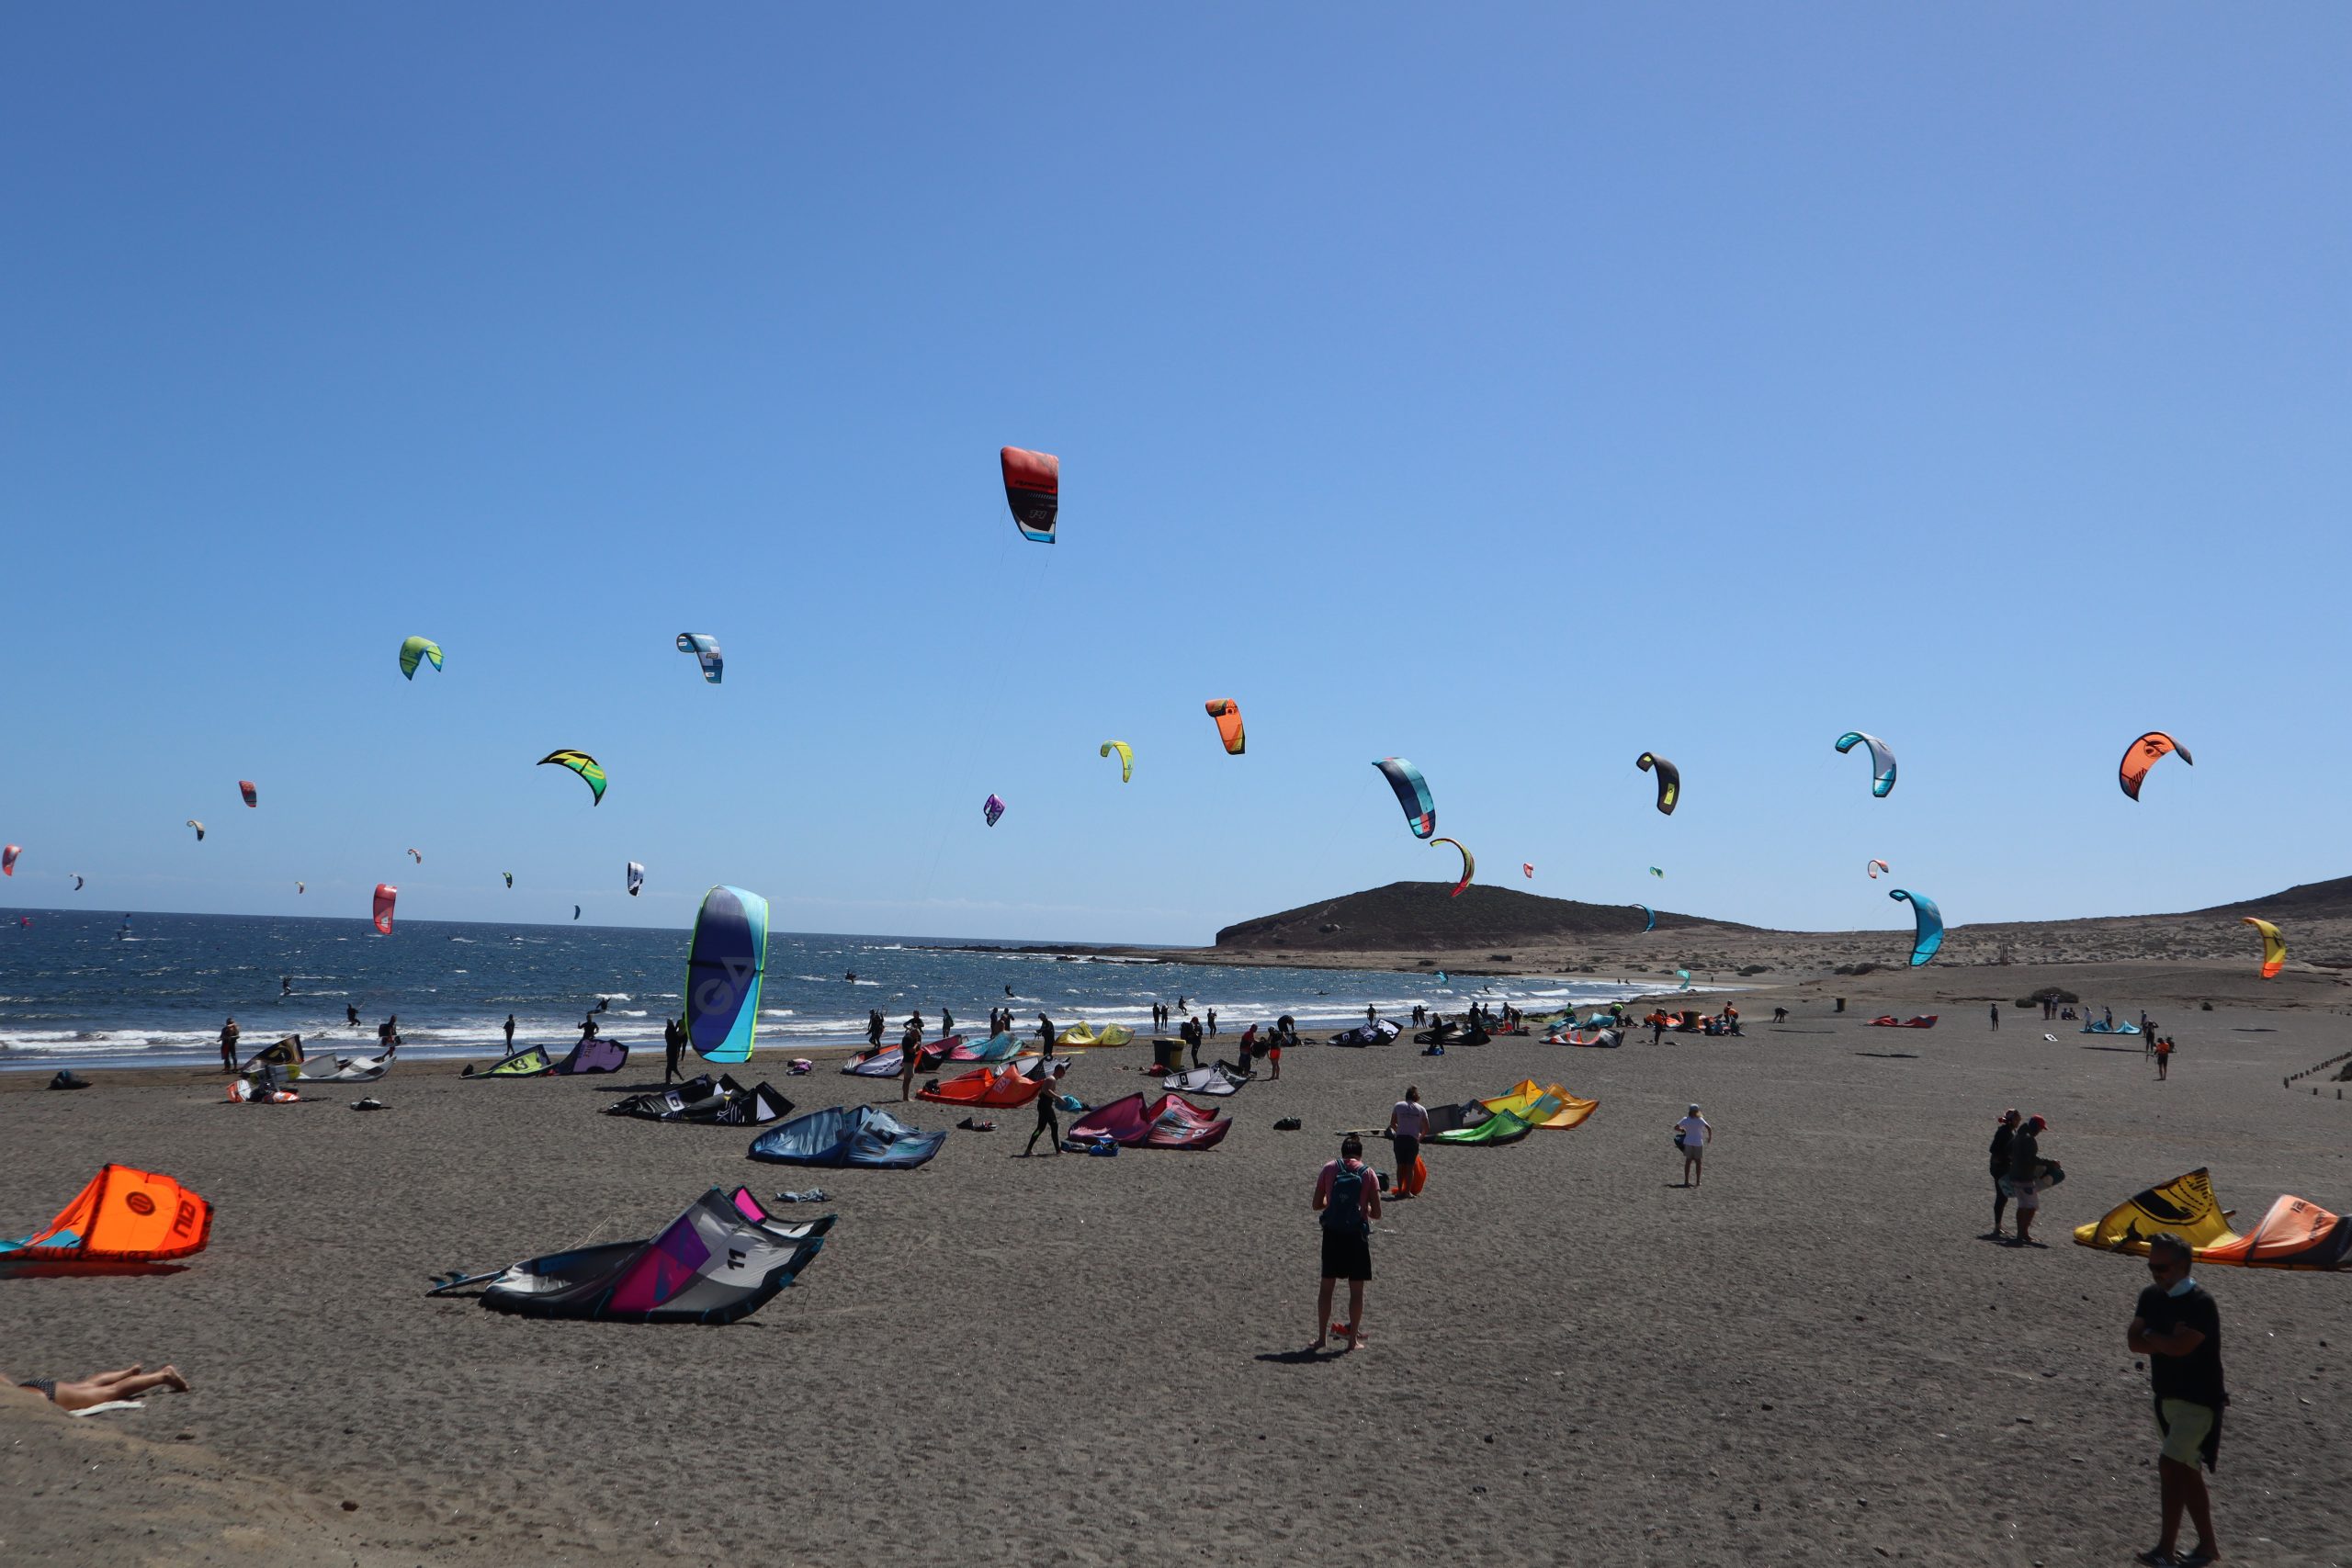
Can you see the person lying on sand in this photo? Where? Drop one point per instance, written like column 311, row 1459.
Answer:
column 104, row 1388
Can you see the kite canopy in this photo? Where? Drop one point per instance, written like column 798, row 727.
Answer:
column 991, row 808
column 597, row 1053
column 2295, row 1234
column 510, row 878
column 2274, row 946
column 245, row 788
column 200, row 828
column 1876, row 866
column 8, row 854
column 591, row 771
column 1413, row 795
column 721, row 1260
column 890, row 1061
column 1033, row 487
column 1227, row 714
column 1528, row 867
column 1218, row 1079
column 1670, row 780
column 723, row 973
column 1168, row 1123
column 325, row 1066
column 418, row 650
column 1380, row 1031
column 1550, row 1106
column 1127, row 759
column 386, row 896
column 1469, row 864
column 636, row 877
column 1000, row 1086
column 704, row 647
column 123, row 1216
column 1649, row 917
column 1474, row 1124
column 1085, row 1036
column 1881, row 759
column 1928, row 924
column 2145, row 754
column 530, row 1062
column 722, row 1104
column 862, row 1135
column 416, row 856
column 77, row 883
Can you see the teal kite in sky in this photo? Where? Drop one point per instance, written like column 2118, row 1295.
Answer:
column 1412, row 794
column 1927, row 931
column 1881, row 759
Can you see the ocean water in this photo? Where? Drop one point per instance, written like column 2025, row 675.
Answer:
column 98, row 990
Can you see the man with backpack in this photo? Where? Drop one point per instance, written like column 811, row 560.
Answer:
column 1347, row 1200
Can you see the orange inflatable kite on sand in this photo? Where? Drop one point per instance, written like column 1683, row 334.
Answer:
column 123, row 1216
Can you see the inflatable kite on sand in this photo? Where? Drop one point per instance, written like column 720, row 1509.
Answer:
column 1168, row 1123
column 864, row 1135
column 1526, row 1101
column 2295, row 1234
column 2145, row 754
column 721, row 1260
column 123, row 1216
column 997, row 1088
column 2274, row 946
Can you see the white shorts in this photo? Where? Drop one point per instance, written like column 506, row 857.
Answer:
column 1693, row 1151
column 2029, row 1194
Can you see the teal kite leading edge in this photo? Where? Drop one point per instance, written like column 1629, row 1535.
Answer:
column 1649, row 917
column 1412, row 794
column 1881, row 759
column 723, row 971
column 1928, row 934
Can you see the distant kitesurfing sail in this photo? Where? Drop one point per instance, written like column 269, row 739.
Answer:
column 591, row 771
column 1928, row 930
column 1227, row 714
column 245, row 788
column 2145, row 754
column 1469, row 864
column 723, row 969
column 77, row 881
column 2274, row 946
column 1033, row 487
column 636, row 877
column 576, row 911
column 991, row 808
column 417, row 855
column 386, row 896
column 704, row 647
column 1127, row 759
column 1528, row 867
column 8, row 853
column 1669, row 779
column 200, row 828
column 298, row 887
column 1649, row 917
column 510, row 878
column 416, row 650
column 1882, row 759
column 1412, row 794
column 1876, row 866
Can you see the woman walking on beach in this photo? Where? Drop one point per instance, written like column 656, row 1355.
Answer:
column 1347, row 1198
column 1048, row 1123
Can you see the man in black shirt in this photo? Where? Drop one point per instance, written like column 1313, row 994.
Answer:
column 2178, row 1329
column 2004, row 1134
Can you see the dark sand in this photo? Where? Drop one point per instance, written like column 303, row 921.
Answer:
column 1811, row 1357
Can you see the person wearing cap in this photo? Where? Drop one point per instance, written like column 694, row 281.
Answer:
column 1346, row 1203
column 1693, row 1133
column 2025, row 1176
column 2004, row 1133
column 2178, row 1329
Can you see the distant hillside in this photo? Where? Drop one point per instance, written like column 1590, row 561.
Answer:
column 2310, row 900
column 1407, row 915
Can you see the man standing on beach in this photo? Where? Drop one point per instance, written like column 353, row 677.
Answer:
column 229, row 1032
column 946, row 1024
column 2004, row 1134
column 2163, row 1057
column 510, row 1034
column 1693, row 1133
column 2025, row 1177
column 674, row 1048
column 1409, row 1123
column 1347, row 1200
column 910, row 1052
column 1996, row 1018
column 1212, row 1021
column 1046, row 1034
column 2176, row 1326
column 874, row 1027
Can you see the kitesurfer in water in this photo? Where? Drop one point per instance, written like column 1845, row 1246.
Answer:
column 350, row 1015
column 285, row 985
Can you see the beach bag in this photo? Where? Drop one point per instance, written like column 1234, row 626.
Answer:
column 1343, row 1208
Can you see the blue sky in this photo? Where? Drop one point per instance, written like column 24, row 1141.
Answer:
column 1514, row 390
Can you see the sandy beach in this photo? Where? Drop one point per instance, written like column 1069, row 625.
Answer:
column 1812, row 1356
